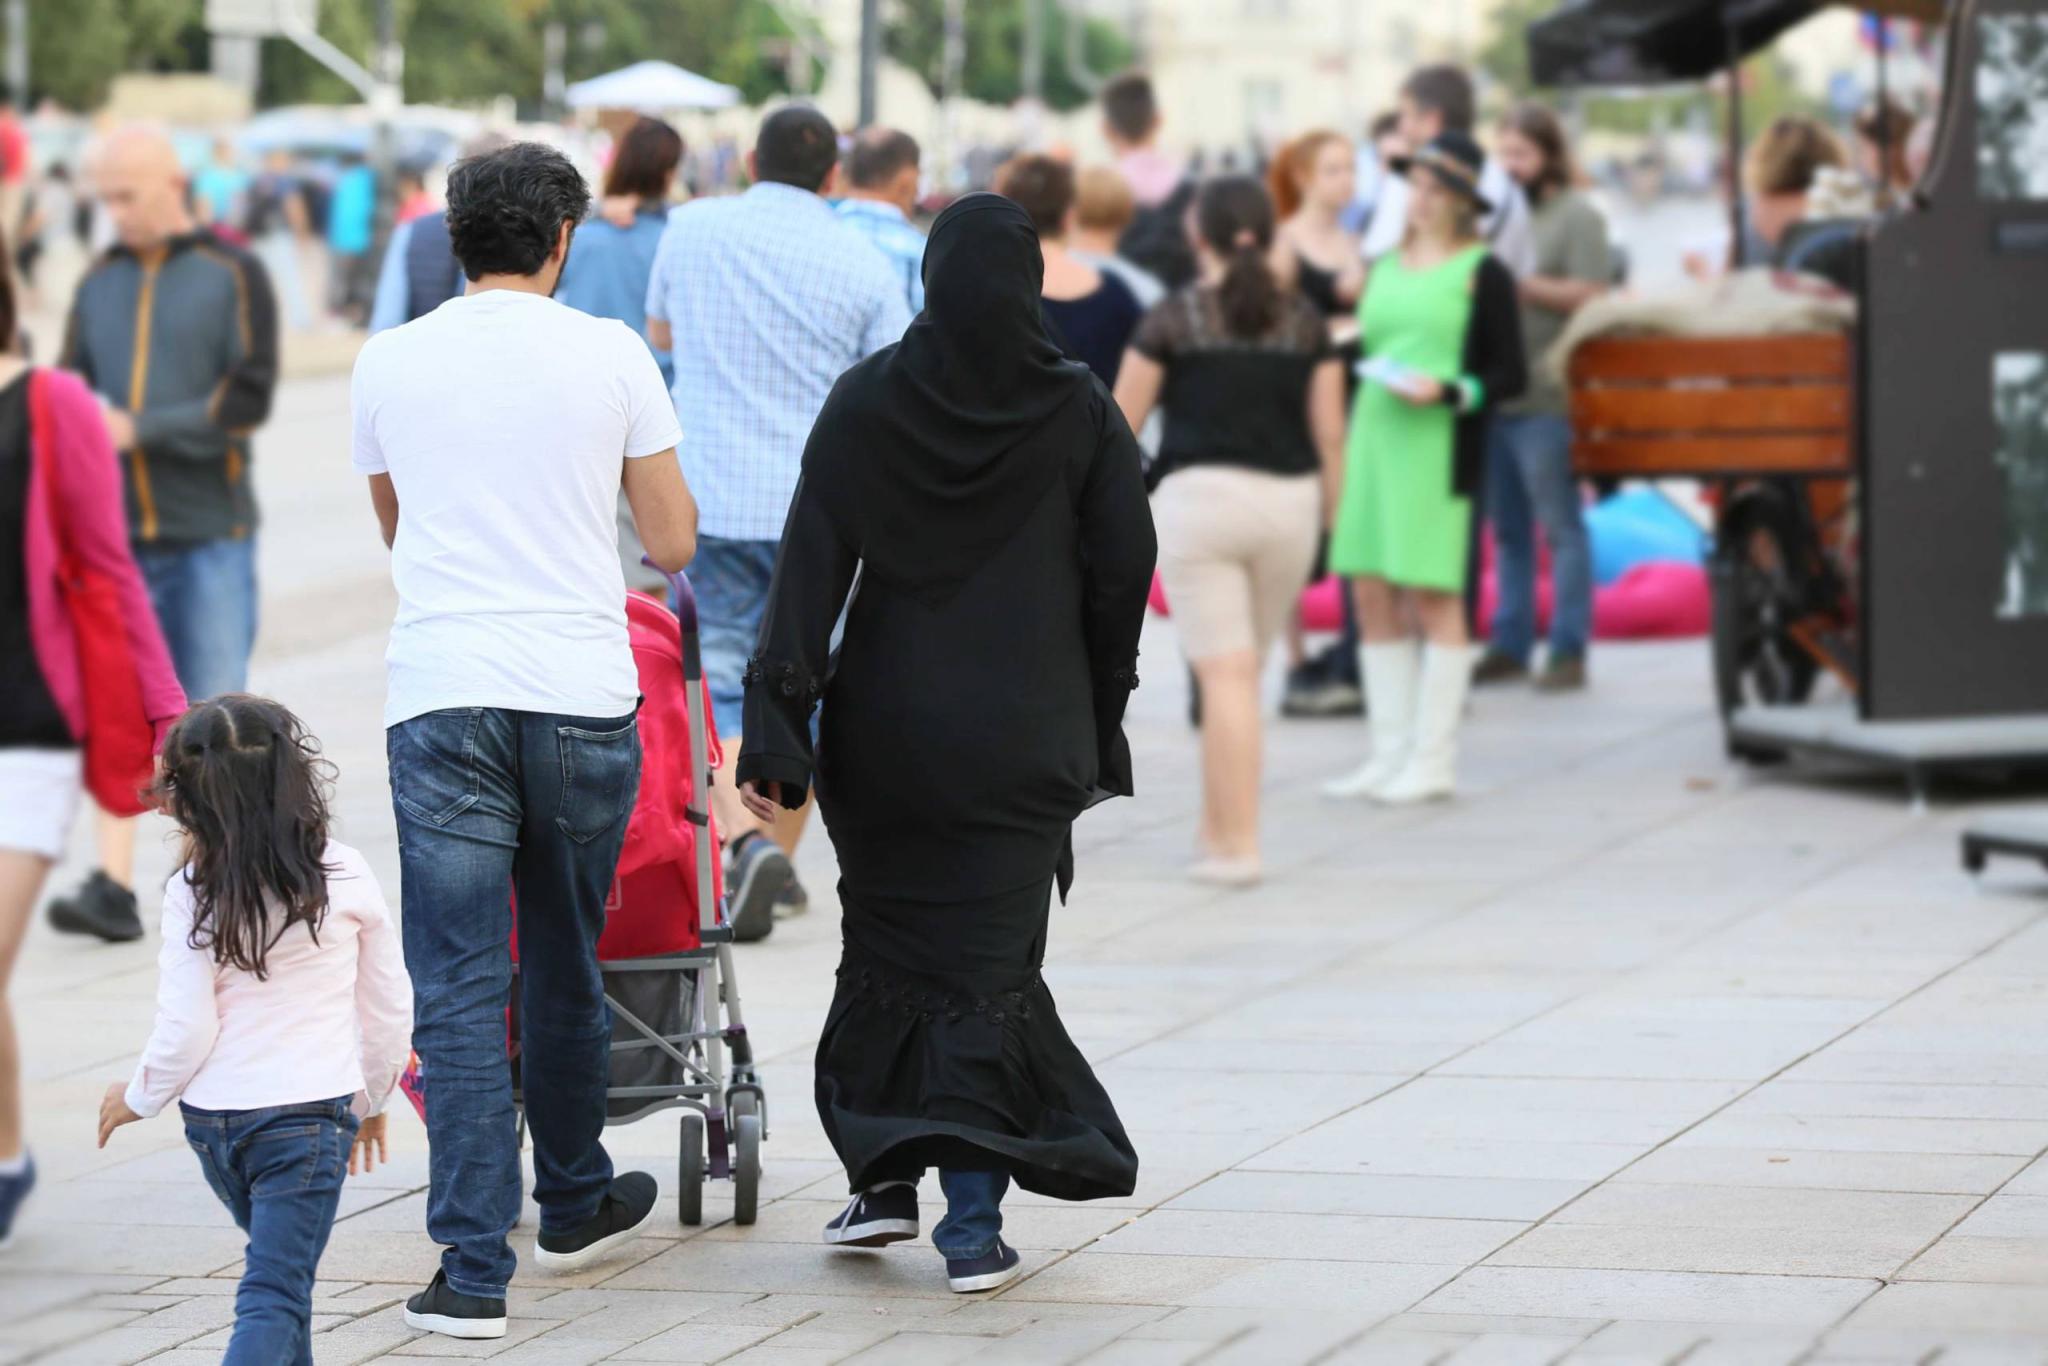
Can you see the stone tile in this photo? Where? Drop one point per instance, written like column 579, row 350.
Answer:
column 696, row 1342
column 1879, row 1214
column 1800, row 1301
column 2004, row 1239
column 1868, row 1134
column 811, row 1268
column 1230, row 1282
column 1933, row 1173
column 1895, row 1100
column 1913, row 1306
column 1814, row 1251
column 1322, row 1237
column 1421, row 1197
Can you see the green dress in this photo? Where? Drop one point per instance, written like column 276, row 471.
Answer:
column 1401, row 516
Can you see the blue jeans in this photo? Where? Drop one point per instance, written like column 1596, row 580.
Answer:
column 279, row 1172
column 732, row 580
column 1529, row 475
column 204, row 593
column 492, row 802
column 974, row 1214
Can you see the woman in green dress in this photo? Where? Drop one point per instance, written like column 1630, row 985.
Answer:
column 1443, row 345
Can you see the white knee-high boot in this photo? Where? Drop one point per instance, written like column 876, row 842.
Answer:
column 1431, row 772
column 1389, row 672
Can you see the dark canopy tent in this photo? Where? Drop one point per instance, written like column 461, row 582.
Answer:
column 1658, row 42
column 1654, row 42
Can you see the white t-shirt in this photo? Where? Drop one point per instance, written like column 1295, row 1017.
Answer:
column 504, row 420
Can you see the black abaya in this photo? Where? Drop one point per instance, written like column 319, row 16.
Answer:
column 967, row 720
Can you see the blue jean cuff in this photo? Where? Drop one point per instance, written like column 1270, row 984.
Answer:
column 476, row 1288
column 971, row 1255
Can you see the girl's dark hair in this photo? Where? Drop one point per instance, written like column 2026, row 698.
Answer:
column 1545, row 131
column 8, row 316
column 248, row 785
column 1234, row 215
column 644, row 160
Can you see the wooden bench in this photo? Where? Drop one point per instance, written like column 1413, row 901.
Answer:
column 1706, row 407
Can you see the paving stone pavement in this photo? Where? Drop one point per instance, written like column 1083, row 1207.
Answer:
column 1624, row 1057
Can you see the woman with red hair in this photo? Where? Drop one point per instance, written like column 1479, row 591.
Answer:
column 1313, row 181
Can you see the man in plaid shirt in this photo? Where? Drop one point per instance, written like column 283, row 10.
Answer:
column 764, row 299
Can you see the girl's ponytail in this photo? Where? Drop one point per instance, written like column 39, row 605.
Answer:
column 1235, row 218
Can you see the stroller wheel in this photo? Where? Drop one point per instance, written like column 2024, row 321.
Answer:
column 690, row 1171
column 746, row 1167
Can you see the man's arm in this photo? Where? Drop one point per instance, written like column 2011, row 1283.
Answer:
column 199, row 427
column 664, row 510
column 659, row 336
column 384, row 498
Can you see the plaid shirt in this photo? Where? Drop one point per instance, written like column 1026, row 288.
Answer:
column 885, row 226
column 769, row 298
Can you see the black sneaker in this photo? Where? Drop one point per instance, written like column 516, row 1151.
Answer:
column 102, row 907
column 1323, row 698
column 1495, row 667
column 755, row 875
column 877, row 1217
column 794, row 900
column 438, row 1309
column 627, row 1209
column 15, row 1186
column 971, row 1275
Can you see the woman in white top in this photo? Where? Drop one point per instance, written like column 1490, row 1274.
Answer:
column 284, row 1014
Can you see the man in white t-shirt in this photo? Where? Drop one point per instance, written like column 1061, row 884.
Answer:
column 1433, row 100
column 497, row 432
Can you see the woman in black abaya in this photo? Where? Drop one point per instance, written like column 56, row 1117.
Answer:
column 989, row 493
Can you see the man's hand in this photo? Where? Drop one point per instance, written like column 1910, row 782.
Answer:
column 121, row 428
column 764, row 800
column 114, row 1111
column 370, row 1146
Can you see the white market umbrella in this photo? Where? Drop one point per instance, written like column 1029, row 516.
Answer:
column 652, row 87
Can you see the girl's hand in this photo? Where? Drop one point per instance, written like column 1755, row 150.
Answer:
column 370, row 1146
column 1422, row 391
column 763, row 800
column 114, row 1111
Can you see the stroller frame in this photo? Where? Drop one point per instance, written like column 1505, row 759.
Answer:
column 725, row 1110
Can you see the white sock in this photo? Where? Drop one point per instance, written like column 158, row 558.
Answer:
column 15, row 1165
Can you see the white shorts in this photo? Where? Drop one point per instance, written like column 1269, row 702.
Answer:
column 38, row 799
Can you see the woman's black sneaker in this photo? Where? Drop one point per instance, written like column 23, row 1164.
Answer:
column 876, row 1218
column 102, row 908
column 439, row 1309
column 756, row 875
column 993, row 1271
column 627, row 1209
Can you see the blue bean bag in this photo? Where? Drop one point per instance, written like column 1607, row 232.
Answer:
column 1640, row 526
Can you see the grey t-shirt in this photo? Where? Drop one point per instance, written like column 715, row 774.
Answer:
column 1571, row 244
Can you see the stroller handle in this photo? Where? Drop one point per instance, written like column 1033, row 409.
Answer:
column 681, row 595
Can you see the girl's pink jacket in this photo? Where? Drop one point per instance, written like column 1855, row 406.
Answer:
column 86, row 493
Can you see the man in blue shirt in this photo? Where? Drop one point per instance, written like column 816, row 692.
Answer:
column 763, row 299
column 881, row 194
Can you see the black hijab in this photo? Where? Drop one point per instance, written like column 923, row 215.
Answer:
column 930, row 454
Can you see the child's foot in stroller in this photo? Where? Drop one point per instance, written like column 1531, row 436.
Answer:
column 18, row 1178
column 757, row 872
column 876, row 1217
column 627, row 1209
column 992, row 1270
column 441, row 1309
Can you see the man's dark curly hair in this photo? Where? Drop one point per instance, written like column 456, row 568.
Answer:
column 506, row 208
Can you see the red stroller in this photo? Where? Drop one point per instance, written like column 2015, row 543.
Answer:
column 666, row 951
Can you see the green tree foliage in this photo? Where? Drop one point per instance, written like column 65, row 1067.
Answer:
column 77, row 47
column 994, row 68
column 458, row 51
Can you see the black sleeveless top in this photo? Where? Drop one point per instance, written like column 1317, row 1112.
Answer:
column 29, row 718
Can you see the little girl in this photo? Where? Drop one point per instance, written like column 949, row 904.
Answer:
column 284, row 1014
